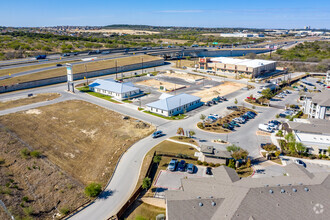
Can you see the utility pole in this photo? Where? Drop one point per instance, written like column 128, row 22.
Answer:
column 142, row 64
column 116, row 69
column 86, row 73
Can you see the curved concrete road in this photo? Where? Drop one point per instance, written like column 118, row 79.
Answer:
column 126, row 175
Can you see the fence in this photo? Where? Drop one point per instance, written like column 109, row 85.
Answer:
column 169, row 154
column 134, row 196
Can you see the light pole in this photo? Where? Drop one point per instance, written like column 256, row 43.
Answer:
column 86, row 73
column 142, row 64
column 116, row 68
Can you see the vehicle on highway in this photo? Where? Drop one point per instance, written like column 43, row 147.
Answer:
column 300, row 162
column 157, row 134
column 66, row 55
column 172, row 165
column 75, row 54
column 40, row 57
column 234, row 107
column 105, row 52
column 195, row 45
column 265, row 127
column 59, row 64
column 208, row 170
column 190, row 168
column 182, row 166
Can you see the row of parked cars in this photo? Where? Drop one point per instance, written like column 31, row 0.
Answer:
column 183, row 167
column 240, row 120
column 216, row 100
column 283, row 94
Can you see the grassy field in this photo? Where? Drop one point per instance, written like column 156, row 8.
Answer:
column 177, row 117
column 143, row 211
column 79, row 68
column 28, row 68
column 81, row 138
column 184, row 139
column 106, row 97
column 30, row 100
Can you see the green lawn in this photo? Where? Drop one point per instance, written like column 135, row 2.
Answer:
column 177, row 117
column 106, row 97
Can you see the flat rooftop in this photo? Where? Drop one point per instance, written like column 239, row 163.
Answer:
column 246, row 62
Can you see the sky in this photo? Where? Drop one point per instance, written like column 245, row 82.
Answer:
column 211, row 13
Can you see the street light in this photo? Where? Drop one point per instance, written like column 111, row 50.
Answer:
column 142, row 64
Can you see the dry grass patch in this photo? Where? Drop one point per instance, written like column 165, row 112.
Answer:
column 30, row 100
column 83, row 139
column 220, row 90
column 185, row 76
column 79, row 68
column 32, row 187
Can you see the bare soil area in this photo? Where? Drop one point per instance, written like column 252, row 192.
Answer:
column 157, row 84
column 220, row 90
column 83, row 139
column 30, row 100
column 185, row 76
column 32, row 188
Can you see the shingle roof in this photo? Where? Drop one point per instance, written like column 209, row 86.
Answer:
column 173, row 102
column 113, row 86
column 291, row 197
column 322, row 98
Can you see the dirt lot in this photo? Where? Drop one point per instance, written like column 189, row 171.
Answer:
column 185, row 76
column 221, row 90
column 44, row 184
column 30, row 100
column 157, row 83
column 79, row 68
column 121, row 31
column 81, row 138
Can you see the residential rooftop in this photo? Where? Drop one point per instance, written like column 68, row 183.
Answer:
column 113, row 86
column 226, row 196
column 316, row 126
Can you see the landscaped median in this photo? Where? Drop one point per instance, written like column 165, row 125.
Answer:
column 85, row 89
column 219, row 125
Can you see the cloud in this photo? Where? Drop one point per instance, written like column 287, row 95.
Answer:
column 182, row 11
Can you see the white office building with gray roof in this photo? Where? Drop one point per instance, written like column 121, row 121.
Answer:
column 171, row 105
column 317, row 105
column 298, row 195
column 116, row 90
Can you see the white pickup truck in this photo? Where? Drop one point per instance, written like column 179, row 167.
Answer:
column 265, row 127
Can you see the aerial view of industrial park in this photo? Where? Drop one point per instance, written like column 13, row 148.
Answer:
column 175, row 110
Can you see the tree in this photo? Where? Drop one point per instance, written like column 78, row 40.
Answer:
column 146, row 183
column 300, row 147
column 202, row 117
column 248, row 163
column 93, row 189
column 191, row 133
column 236, row 102
column 231, row 164
column 241, row 154
column 267, row 93
column 157, row 159
column 233, row 148
column 277, row 153
column 180, row 131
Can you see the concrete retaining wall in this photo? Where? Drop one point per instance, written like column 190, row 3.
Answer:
column 61, row 79
column 229, row 53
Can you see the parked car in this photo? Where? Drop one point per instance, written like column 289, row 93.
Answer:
column 248, row 116
column 209, row 103
column 215, row 115
column 182, row 166
column 273, row 126
column 232, row 107
column 275, row 122
column 253, row 113
column 211, row 118
column 300, row 162
column 228, row 126
column 172, row 165
column 157, row 134
column 265, row 127
column 233, row 123
column 190, row 168
column 208, row 171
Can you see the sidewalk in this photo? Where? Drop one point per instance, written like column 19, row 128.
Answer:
column 315, row 161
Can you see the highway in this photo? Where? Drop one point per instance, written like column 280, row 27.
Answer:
column 126, row 175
